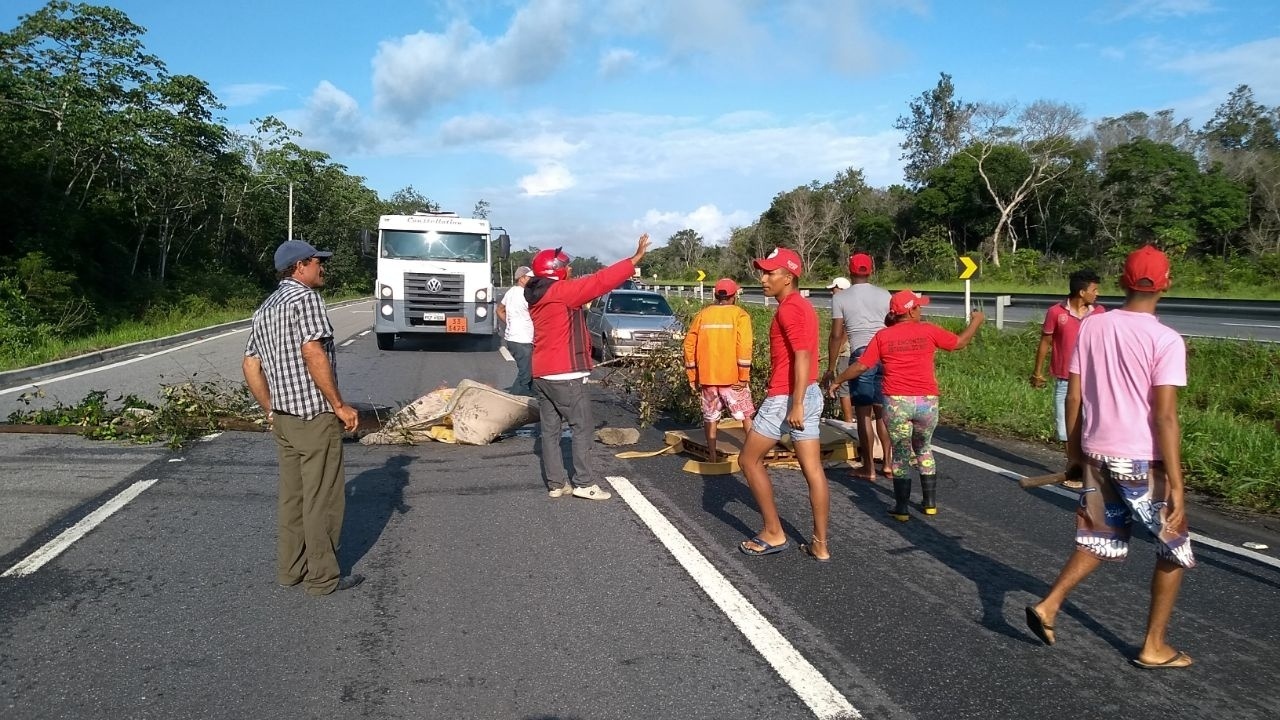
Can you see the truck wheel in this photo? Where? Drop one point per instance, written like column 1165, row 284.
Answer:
column 386, row 341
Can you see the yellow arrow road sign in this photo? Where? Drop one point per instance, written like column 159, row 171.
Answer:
column 970, row 267
column 702, row 275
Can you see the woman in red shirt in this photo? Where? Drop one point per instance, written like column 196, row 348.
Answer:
column 905, row 350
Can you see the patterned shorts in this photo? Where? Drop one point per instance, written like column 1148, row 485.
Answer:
column 1116, row 492
column 737, row 402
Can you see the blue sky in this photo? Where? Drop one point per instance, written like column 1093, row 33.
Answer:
column 584, row 123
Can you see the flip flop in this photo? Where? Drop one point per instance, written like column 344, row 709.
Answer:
column 1180, row 660
column 807, row 549
column 1039, row 627
column 767, row 548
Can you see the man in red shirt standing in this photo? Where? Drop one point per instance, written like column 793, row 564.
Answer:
column 1061, row 325
column 905, row 351
column 562, row 362
column 793, row 404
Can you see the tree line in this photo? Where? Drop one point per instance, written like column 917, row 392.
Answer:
column 1032, row 191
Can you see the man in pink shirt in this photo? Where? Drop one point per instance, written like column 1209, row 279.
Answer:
column 1122, row 412
column 1061, row 324
column 792, row 405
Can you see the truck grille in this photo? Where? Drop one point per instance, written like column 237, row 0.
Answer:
column 434, row 293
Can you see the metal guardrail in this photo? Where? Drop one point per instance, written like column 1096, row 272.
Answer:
column 1213, row 307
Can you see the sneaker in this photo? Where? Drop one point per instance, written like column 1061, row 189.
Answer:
column 563, row 491
column 591, row 492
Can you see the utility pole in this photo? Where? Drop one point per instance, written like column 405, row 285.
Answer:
column 290, row 211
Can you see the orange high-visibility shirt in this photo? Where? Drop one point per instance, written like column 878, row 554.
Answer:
column 717, row 349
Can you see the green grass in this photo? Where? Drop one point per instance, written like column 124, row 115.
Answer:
column 154, row 325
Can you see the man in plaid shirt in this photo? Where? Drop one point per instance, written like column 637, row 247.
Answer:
column 290, row 366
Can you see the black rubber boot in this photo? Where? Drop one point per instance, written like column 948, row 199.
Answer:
column 901, row 495
column 929, row 489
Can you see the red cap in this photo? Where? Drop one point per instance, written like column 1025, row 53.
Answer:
column 904, row 301
column 725, row 287
column 780, row 257
column 1146, row 270
column 861, row 264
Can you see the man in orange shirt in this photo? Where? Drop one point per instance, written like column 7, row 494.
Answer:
column 717, row 357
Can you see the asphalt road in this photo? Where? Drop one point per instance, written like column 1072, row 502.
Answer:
column 486, row 599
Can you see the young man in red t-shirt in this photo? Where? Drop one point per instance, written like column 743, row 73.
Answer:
column 1061, row 325
column 905, row 351
column 793, row 404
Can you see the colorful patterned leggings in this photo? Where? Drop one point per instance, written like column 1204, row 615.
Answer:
column 911, row 420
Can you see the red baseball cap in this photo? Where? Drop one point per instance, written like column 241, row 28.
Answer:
column 1146, row 270
column 726, row 287
column 780, row 257
column 861, row 264
column 904, row 301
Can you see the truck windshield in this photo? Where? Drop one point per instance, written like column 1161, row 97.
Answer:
column 434, row 245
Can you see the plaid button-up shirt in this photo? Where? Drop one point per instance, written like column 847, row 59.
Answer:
column 292, row 315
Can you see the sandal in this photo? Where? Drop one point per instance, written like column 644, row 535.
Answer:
column 1179, row 660
column 807, row 549
column 765, row 548
column 1037, row 625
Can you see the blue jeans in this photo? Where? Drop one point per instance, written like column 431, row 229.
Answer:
column 1060, row 408
column 522, row 353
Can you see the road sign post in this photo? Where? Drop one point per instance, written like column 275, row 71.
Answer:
column 970, row 267
column 702, row 275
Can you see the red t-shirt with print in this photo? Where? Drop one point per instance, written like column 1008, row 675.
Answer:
column 794, row 327
column 1064, row 327
column 905, row 353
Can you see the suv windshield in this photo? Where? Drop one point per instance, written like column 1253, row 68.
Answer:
column 638, row 304
column 434, row 245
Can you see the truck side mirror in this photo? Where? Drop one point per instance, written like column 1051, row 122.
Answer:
column 368, row 243
column 504, row 246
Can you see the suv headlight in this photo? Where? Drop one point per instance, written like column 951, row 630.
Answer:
column 621, row 334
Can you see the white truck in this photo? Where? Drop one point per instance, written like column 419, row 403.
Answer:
column 434, row 276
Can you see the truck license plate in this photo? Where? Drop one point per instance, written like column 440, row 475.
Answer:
column 437, row 317
column 455, row 325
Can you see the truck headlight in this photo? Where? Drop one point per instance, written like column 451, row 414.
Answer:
column 384, row 291
column 386, row 309
column 482, row 295
column 482, row 311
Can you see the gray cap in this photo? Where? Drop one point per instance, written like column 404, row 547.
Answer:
column 292, row 251
column 522, row 271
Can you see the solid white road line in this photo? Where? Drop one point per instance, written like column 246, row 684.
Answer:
column 347, row 342
column 130, row 361
column 366, row 332
column 54, row 547
column 814, row 689
column 1253, row 325
column 1195, row 537
column 505, row 353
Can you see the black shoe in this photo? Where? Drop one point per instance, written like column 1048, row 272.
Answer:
column 348, row 582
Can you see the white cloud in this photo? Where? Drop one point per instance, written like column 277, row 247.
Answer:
column 1157, row 9
column 1220, row 71
column 1112, row 53
column 416, row 73
column 707, row 220
column 469, row 129
column 242, row 94
column 615, row 62
column 550, row 179
column 332, row 120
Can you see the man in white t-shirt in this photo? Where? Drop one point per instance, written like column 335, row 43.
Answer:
column 513, row 310
column 1124, row 438
column 857, row 314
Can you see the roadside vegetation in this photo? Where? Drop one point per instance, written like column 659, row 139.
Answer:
column 1230, row 410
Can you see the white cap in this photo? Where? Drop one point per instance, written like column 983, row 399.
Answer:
column 842, row 283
